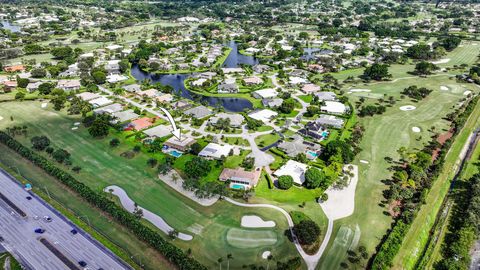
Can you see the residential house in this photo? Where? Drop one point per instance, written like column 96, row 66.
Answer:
column 236, row 119
column 334, row 107
column 86, row 96
column 100, row 102
column 9, row 85
column 228, row 88
column 264, row 115
column 326, row 96
column 140, row 123
column 124, row 116
column 199, row 112
column 265, row 93
column 295, row 169
column 252, row 80
column 272, row 102
column 14, row 68
column 181, row 145
column 132, row 88
column 69, row 85
column 109, row 109
column 310, row 88
column 33, row 86
column 215, row 151
column 241, row 177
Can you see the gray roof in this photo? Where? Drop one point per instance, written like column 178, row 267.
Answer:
column 125, row 116
column 329, row 120
column 199, row 112
column 132, row 88
column 235, row 118
column 112, row 108
column 158, row 131
column 292, row 148
column 272, row 102
column 326, row 95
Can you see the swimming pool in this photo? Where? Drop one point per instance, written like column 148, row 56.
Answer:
column 324, row 134
column 175, row 153
column 313, row 154
column 236, row 186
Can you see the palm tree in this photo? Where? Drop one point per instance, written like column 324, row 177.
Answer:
column 229, row 257
column 220, row 260
column 269, row 258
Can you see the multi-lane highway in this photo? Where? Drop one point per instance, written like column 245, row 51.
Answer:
column 57, row 247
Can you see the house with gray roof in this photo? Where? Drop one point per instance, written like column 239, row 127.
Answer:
column 124, row 116
column 132, row 88
column 199, row 112
column 112, row 108
column 326, row 96
column 236, row 119
column 228, row 88
column 272, row 102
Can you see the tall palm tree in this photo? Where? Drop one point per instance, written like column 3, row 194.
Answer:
column 229, row 257
column 269, row 258
column 220, row 260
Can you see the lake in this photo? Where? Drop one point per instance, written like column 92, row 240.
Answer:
column 176, row 81
column 12, row 27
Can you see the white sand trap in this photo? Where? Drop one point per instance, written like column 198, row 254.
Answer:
column 408, row 108
column 76, row 124
column 256, row 222
column 441, row 61
column 129, row 205
column 341, row 202
column 466, row 93
column 444, row 88
column 416, row 129
column 265, row 254
column 74, row 128
column 1, row 118
column 364, row 161
column 44, row 105
column 359, row 90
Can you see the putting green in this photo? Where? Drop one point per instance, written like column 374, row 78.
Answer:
column 241, row 238
column 346, row 239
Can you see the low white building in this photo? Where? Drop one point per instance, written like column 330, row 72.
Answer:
column 113, row 78
column 264, row 115
column 100, row 102
column 334, row 107
column 295, row 169
column 215, row 151
column 265, row 93
column 86, row 96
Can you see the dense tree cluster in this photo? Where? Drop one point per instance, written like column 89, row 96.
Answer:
column 376, row 72
column 143, row 232
column 416, row 92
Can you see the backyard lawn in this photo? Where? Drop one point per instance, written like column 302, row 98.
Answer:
column 103, row 166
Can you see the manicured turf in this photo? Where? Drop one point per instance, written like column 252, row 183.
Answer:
column 419, row 231
column 384, row 135
column 103, row 166
column 267, row 139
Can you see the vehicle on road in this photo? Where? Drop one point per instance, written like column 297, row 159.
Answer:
column 29, row 198
column 39, row 230
column 82, row 263
column 47, row 219
column 73, row 231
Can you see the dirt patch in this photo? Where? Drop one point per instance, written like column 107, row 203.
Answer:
column 442, row 138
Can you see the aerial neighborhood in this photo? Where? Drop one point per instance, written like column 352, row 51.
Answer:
column 247, row 135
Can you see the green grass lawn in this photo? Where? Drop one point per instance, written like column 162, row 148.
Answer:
column 384, row 134
column 103, row 166
column 418, row 234
column 267, row 139
column 14, row 265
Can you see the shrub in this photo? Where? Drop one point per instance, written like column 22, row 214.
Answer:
column 285, row 182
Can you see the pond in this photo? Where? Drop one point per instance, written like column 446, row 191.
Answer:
column 12, row 27
column 311, row 53
column 177, row 82
column 235, row 58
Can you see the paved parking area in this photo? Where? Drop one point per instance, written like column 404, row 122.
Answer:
column 20, row 239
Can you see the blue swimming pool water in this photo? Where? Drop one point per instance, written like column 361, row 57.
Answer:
column 324, row 134
column 313, row 154
column 235, row 186
column 175, row 153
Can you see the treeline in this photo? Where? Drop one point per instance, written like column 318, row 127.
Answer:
column 464, row 226
column 171, row 252
column 410, row 185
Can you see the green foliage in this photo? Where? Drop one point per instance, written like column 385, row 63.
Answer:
column 197, row 167
column 371, row 110
column 22, row 82
column 99, row 77
column 100, row 126
column 307, row 232
column 287, row 106
column 62, row 53
column 40, row 142
column 143, row 232
column 45, row 88
column 314, row 178
column 420, row 52
column 38, row 73
column 285, row 182
column 114, row 142
column 61, row 155
column 376, row 72
column 424, row 68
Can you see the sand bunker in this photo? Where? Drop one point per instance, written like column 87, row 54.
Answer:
column 265, row 254
column 364, row 161
column 441, row 61
column 416, row 129
column 408, row 108
column 466, row 93
column 444, row 88
column 74, row 128
column 44, row 105
column 156, row 220
column 1, row 118
column 256, row 222
column 359, row 90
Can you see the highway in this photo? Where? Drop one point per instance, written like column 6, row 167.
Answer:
column 20, row 239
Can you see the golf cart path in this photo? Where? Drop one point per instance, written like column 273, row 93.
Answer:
column 310, row 260
column 156, row 220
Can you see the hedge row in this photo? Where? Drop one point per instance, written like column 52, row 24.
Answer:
column 171, row 252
